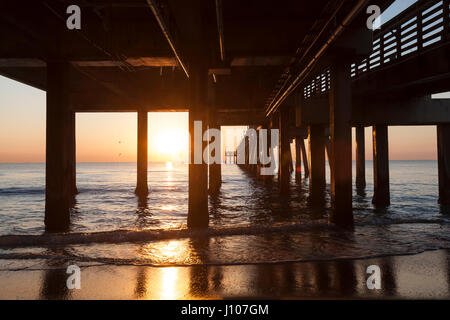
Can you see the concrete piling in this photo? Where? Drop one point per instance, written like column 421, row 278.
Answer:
column 381, row 195
column 198, row 172
column 316, row 138
column 340, row 155
column 60, row 157
column 360, row 158
column 443, row 140
column 142, row 153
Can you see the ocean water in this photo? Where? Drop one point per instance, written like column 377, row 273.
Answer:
column 249, row 221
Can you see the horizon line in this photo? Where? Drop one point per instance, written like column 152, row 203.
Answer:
column 43, row 162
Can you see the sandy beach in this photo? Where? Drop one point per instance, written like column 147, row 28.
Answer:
column 421, row 276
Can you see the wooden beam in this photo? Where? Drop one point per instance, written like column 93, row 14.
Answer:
column 426, row 73
column 261, row 61
column 36, row 79
column 169, row 34
column 400, row 111
column 237, row 117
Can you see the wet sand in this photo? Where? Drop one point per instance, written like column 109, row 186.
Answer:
column 421, row 276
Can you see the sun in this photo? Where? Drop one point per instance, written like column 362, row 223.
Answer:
column 168, row 137
column 171, row 142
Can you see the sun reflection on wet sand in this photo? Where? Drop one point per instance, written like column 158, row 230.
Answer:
column 421, row 276
column 169, row 279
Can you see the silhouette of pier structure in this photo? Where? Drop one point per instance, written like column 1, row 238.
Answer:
column 388, row 85
column 230, row 157
column 311, row 69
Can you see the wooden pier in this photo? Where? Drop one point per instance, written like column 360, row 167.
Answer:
column 310, row 69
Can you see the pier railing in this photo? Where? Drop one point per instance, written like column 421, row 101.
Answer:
column 423, row 26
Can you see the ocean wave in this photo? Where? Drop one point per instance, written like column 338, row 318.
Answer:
column 90, row 255
column 121, row 236
column 129, row 190
column 135, row 262
column 395, row 221
column 22, row 191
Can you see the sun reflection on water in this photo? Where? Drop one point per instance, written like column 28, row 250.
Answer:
column 173, row 248
column 164, row 252
column 168, row 207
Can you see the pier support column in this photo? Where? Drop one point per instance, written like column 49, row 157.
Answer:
column 284, row 151
column 291, row 159
column 340, row 155
column 256, row 165
column 443, row 140
column 198, row 170
column 72, row 151
column 298, row 158
column 258, row 154
column 305, row 158
column 381, row 197
column 299, row 141
column 142, row 153
column 328, row 152
column 269, row 154
column 247, row 152
column 360, row 158
column 59, row 165
column 316, row 138
column 252, row 152
column 215, row 174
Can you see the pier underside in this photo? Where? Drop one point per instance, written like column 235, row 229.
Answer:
column 302, row 67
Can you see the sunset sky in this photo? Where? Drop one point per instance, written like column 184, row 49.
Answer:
column 112, row 136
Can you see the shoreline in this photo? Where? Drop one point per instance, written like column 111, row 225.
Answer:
column 424, row 275
column 87, row 262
